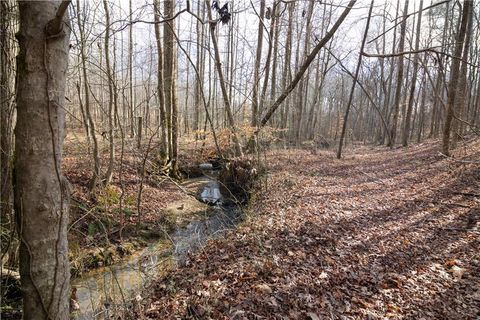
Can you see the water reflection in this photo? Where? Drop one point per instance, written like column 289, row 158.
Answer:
column 104, row 291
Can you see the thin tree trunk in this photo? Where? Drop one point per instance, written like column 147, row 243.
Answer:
column 169, row 88
column 398, row 90
column 6, row 112
column 160, row 90
column 406, row 128
column 256, row 68
column 111, row 120
column 287, row 73
column 130, row 72
column 91, row 124
column 218, row 66
column 354, row 82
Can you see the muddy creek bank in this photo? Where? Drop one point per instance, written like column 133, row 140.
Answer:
column 109, row 290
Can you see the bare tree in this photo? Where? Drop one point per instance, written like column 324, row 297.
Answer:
column 354, row 82
column 91, row 124
column 160, row 92
column 400, row 66
column 111, row 114
column 454, row 75
column 308, row 60
column 6, row 110
column 406, row 127
column 226, row 100
column 41, row 191
column 256, row 68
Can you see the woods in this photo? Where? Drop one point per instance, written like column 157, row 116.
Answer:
column 129, row 124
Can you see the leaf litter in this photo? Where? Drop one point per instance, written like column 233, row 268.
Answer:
column 379, row 234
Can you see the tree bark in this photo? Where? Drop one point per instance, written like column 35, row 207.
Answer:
column 256, row 69
column 160, row 90
column 398, row 90
column 130, row 72
column 41, row 191
column 169, row 85
column 6, row 112
column 454, row 76
column 463, row 86
column 354, row 82
column 226, row 100
column 111, row 120
column 406, row 127
column 91, row 124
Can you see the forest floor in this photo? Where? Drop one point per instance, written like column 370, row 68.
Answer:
column 379, row 234
column 109, row 224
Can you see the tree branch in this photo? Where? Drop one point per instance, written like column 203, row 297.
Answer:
column 406, row 17
column 432, row 49
column 54, row 26
column 305, row 65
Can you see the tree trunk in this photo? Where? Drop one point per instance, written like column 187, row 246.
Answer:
column 130, row 72
column 160, row 91
column 463, row 86
column 398, row 90
column 454, row 76
column 287, row 72
column 41, row 191
column 91, row 124
column 256, row 69
column 218, row 66
column 354, row 82
column 406, row 127
column 6, row 111
column 111, row 120
column 170, row 89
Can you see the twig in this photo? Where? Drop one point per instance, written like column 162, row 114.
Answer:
column 468, row 194
column 456, row 160
column 374, row 178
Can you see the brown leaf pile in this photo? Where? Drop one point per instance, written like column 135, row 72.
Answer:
column 379, row 234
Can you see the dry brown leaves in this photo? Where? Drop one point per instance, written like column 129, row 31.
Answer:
column 380, row 234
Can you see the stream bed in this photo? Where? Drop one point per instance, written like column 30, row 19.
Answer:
column 105, row 291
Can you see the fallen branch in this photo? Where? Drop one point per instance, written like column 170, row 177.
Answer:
column 456, row 160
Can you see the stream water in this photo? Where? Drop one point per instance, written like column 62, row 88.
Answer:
column 102, row 292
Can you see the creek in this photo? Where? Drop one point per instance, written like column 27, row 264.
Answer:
column 106, row 291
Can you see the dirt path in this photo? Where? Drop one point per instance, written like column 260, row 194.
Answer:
column 379, row 234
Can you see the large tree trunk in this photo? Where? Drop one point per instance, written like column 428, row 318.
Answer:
column 41, row 191
column 463, row 85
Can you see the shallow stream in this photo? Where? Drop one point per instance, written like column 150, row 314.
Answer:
column 105, row 291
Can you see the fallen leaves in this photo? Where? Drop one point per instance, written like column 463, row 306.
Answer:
column 325, row 241
column 264, row 288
